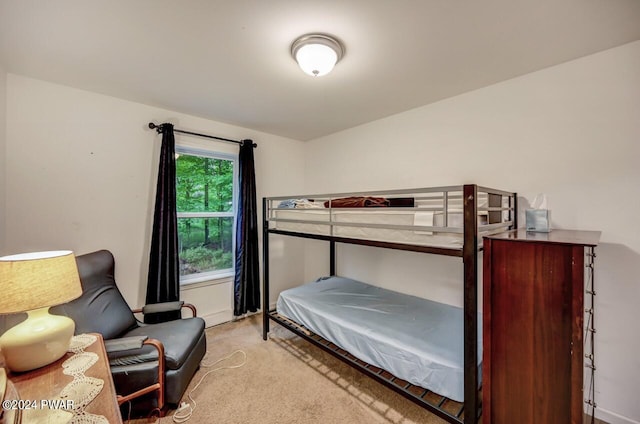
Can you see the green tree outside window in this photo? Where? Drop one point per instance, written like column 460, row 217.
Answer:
column 205, row 206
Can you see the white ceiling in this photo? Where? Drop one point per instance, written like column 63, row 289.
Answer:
column 229, row 60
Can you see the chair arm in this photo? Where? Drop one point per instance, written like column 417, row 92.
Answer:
column 165, row 307
column 127, row 351
column 136, row 342
column 125, row 343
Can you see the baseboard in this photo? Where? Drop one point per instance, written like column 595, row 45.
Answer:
column 216, row 318
column 604, row 416
column 586, row 419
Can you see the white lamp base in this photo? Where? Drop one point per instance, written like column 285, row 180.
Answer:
column 40, row 340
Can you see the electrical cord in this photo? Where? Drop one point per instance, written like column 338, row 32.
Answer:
column 185, row 410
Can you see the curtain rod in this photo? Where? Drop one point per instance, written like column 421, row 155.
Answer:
column 159, row 128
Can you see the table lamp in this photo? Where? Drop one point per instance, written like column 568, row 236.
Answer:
column 31, row 283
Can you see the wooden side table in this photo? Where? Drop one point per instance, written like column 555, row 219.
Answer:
column 47, row 382
column 8, row 392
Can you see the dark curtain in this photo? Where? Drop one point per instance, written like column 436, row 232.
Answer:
column 163, row 284
column 247, row 281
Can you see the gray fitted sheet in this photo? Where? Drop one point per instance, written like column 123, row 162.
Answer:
column 417, row 340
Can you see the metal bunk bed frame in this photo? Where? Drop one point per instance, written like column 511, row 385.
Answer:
column 433, row 402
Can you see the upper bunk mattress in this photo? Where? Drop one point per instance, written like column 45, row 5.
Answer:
column 370, row 225
column 417, row 340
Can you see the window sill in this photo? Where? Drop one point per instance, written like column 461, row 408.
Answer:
column 206, row 280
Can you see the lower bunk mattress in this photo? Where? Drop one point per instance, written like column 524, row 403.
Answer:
column 415, row 339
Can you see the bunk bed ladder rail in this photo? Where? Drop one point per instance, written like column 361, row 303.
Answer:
column 266, row 208
column 470, row 263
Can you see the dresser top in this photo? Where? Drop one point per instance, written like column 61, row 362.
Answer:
column 584, row 238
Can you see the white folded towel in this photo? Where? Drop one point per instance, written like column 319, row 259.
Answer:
column 423, row 218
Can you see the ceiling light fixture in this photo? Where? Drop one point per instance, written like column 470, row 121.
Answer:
column 317, row 54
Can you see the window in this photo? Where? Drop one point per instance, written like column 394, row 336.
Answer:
column 205, row 197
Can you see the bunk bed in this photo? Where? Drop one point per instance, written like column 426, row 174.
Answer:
column 339, row 315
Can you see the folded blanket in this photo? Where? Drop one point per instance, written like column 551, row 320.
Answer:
column 308, row 204
column 290, row 203
column 358, row 202
column 299, row 204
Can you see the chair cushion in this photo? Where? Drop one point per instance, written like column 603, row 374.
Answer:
column 179, row 338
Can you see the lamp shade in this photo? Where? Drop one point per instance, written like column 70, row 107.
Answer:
column 36, row 280
column 317, row 54
column 31, row 282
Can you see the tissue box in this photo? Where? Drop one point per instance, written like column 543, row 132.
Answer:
column 538, row 220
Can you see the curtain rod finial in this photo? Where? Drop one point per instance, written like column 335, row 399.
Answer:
column 248, row 141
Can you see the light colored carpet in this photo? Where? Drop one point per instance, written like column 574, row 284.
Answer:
column 287, row 380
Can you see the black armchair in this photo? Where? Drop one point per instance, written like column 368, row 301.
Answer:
column 151, row 364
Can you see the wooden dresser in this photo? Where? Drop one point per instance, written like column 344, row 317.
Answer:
column 533, row 323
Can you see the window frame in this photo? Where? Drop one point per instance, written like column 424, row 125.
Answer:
column 212, row 276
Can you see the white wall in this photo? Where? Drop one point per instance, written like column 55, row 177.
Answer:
column 81, row 174
column 3, row 138
column 571, row 131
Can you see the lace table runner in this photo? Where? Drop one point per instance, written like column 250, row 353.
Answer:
column 69, row 406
